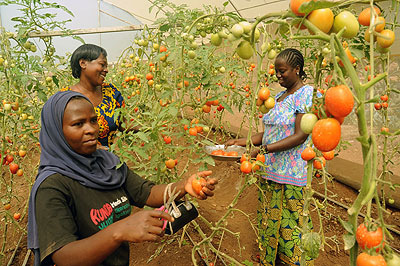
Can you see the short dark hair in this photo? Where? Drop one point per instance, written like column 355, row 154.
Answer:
column 87, row 52
column 294, row 58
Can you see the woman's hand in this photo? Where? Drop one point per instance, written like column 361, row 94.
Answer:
column 143, row 226
column 207, row 185
column 237, row 142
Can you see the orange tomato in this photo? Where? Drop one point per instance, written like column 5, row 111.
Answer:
column 317, row 163
column 380, row 26
column 264, row 93
column 295, row 4
column 308, row 154
column 17, row 216
column 260, row 157
column 198, row 184
column 232, row 153
column 217, row 152
column 339, row 101
column 326, row 134
column 329, row 155
column 170, row 163
column 364, row 259
column 364, row 18
column 163, row 48
column 206, row 108
column 149, row 76
column 193, row 131
column 322, row 19
column 245, row 157
column 246, row 167
column 386, row 43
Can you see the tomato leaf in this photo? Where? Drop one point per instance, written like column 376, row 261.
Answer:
column 346, row 225
column 373, row 100
column 349, row 241
column 307, row 7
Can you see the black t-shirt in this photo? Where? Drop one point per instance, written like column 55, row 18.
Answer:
column 67, row 211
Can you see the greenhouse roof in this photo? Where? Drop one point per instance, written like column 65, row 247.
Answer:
column 248, row 9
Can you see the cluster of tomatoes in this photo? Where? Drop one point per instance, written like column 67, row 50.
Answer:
column 247, row 165
column 326, row 132
column 370, row 238
column 265, row 101
column 225, row 153
column 206, row 108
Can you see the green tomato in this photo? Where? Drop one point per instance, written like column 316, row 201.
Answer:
column 246, row 26
column 206, row 129
column 215, row 39
column 155, row 47
column 307, row 122
column 27, row 45
column 271, row 54
column 222, row 69
column 223, row 34
column 393, row 261
column 257, row 34
column 193, row 45
column 192, row 54
column 348, row 20
column 245, row 50
column 263, row 109
column 382, row 50
column 203, row 34
column 237, row 30
column 391, row 201
column 33, row 48
column 231, row 37
column 7, row 107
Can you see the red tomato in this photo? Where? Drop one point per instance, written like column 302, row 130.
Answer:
column 384, row 98
column 167, row 139
column 198, row 184
column 369, row 239
column 13, row 168
column 232, row 153
column 17, row 216
column 365, row 259
column 170, row 163
column 260, row 157
column 378, row 106
column 193, row 131
column 149, row 76
column 385, row 105
column 246, row 167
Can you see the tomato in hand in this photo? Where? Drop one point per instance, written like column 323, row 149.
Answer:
column 198, row 184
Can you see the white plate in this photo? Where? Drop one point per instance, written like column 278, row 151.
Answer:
column 239, row 149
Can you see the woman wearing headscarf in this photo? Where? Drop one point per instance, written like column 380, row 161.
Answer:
column 80, row 203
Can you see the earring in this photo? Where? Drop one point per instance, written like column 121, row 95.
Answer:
column 297, row 73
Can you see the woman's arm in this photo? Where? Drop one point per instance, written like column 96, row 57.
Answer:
column 256, row 139
column 156, row 197
column 290, row 142
column 138, row 227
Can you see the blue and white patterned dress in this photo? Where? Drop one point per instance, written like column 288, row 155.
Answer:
column 286, row 167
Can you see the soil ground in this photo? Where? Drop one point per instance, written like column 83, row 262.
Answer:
column 230, row 181
column 177, row 249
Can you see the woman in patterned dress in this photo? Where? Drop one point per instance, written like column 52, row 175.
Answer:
column 281, row 195
column 89, row 64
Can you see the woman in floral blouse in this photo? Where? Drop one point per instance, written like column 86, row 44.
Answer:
column 281, row 195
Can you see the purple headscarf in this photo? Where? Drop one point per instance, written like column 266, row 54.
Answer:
column 98, row 170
